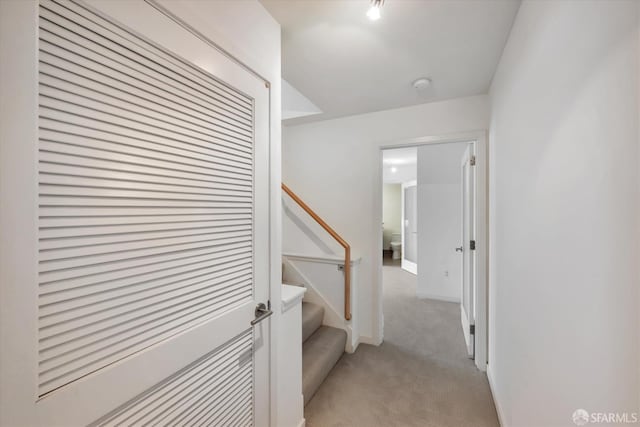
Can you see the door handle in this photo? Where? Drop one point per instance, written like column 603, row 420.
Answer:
column 460, row 249
column 262, row 312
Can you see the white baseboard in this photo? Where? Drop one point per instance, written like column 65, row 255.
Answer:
column 437, row 297
column 369, row 340
column 302, row 423
column 496, row 400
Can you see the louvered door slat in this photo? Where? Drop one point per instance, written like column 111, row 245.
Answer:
column 54, row 163
column 140, row 227
column 150, row 270
column 59, row 89
column 119, row 42
column 62, row 151
column 115, row 201
column 194, row 386
column 54, row 372
column 81, row 62
column 54, row 108
column 77, row 236
column 85, row 189
column 113, row 143
column 59, row 179
column 103, row 122
column 146, row 201
column 65, row 81
column 100, row 249
column 67, row 312
column 120, row 48
column 57, row 97
column 95, row 139
column 48, row 212
column 63, row 310
column 215, row 384
column 241, row 398
column 52, row 223
column 91, row 327
column 142, row 250
column 86, row 74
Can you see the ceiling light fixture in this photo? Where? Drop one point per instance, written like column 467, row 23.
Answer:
column 394, row 170
column 422, row 84
column 374, row 11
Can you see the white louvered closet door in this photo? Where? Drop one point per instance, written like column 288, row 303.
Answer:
column 152, row 239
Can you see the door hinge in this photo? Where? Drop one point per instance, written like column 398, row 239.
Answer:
column 472, row 245
column 472, row 329
column 472, row 161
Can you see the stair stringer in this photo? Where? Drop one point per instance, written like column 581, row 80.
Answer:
column 332, row 315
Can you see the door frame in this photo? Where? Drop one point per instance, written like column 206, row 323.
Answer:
column 18, row 171
column 481, row 143
column 411, row 267
column 467, row 316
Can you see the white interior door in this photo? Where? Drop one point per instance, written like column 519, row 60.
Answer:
column 151, row 243
column 467, row 304
column 410, row 227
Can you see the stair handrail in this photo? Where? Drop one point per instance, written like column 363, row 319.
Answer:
column 339, row 239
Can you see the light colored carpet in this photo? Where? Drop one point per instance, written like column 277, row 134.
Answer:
column 419, row 376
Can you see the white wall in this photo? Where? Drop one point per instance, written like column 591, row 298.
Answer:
column 256, row 43
column 440, row 221
column 391, row 212
column 564, row 267
column 334, row 165
column 295, row 104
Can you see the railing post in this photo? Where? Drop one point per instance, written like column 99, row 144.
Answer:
column 347, row 282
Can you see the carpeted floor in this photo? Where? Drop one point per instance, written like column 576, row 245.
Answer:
column 419, row 376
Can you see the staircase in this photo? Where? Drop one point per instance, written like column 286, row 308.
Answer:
column 322, row 347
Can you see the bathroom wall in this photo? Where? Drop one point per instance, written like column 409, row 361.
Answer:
column 391, row 212
column 410, row 220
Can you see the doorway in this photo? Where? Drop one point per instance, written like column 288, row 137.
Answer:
column 399, row 211
column 410, row 227
column 447, row 221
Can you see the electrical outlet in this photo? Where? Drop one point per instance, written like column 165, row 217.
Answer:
column 446, row 273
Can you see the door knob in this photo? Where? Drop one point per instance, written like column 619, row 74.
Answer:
column 460, row 249
column 262, row 312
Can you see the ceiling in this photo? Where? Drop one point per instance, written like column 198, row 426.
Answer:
column 346, row 64
column 399, row 165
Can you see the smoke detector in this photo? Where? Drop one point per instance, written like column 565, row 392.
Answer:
column 422, row 84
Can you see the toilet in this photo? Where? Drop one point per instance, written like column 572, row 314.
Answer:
column 396, row 245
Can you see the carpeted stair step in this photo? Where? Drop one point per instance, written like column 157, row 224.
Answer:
column 320, row 353
column 312, row 315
